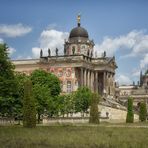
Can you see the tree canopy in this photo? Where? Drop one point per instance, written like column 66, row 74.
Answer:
column 42, row 77
column 82, row 99
column 8, row 84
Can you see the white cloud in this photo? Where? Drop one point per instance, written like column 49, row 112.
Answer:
column 123, row 80
column 1, row 40
column 136, row 73
column 11, row 51
column 50, row 39
column 136, row 42
column 144, row 61
column 36, row 52
column 15, row 30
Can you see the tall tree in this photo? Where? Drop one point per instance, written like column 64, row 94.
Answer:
column 43, row 99
column 8, row 84
column 82, row 99
column 94, row 114
column 130, row 114
column 7, row 79
column 29, row 110
column 142, row 112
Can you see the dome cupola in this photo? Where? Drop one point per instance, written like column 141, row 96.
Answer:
column 78, row 31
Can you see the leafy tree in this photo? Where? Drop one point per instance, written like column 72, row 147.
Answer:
column 66, row 104
column 29, row 110
column 142, row 112
column 130, row 114
column 46, row 88
column 82, row 99
column 42, row 77
column 94, row 114
column 8, row 84
column 43, row 99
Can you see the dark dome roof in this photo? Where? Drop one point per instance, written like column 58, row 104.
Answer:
column 78, row 32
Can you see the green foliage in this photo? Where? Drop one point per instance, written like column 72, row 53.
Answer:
column 142, row 112
column 94, row 114
column 8, row 84
column 42, row 77
column 20, row 78
column 82, row 99
column 130, row 114
column 29, row 111
column 43, row 99
column 66, row 104
column 7, row 80
column 46, row 88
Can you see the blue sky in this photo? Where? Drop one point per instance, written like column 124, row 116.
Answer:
column 119, row 27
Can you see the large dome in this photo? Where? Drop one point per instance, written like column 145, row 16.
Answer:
column 78, row 32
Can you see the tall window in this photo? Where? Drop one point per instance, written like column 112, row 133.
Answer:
column 73, row 50
column 69, row 87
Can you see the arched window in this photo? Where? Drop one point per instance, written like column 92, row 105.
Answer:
column 73, row 50
column 69, row 87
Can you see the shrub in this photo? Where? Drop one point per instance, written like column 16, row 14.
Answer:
column 29, row 111
column 94, row 114
column 142, row 112
column 130, row 114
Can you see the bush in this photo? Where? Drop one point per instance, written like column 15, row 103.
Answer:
column 94, row 114
column 29, row 111
column 142, row 112
column 130, row 114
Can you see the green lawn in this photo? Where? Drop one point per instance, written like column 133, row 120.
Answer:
column 73, row 137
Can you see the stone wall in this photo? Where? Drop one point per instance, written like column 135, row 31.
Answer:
column 114, row 116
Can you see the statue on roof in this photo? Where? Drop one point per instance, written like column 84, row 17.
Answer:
column 79, row 19
column 41, row 53
column 104, row 54
column 64, row 49
column 49, row 52
column 57, row 51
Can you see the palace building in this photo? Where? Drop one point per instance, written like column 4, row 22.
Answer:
column 77, row 66
column 139, row 91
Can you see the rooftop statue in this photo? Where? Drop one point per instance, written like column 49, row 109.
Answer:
column 41, row 53
column 57, row 51
column 49, row 52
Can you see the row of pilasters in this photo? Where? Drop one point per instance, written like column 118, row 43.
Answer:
column 100, row 82
column 89, row 79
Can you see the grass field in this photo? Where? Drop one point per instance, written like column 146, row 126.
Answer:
column 73, row 137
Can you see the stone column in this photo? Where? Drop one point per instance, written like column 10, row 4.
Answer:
column 82, row 77
column 88, row 79
column 104, row 82
column 92, row 81
column 96, row 81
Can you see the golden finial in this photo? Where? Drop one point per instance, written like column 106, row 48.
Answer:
column 78, row 19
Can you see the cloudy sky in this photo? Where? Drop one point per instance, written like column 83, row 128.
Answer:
column 119, row 27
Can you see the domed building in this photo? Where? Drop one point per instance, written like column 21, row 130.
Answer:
column 77, row 66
